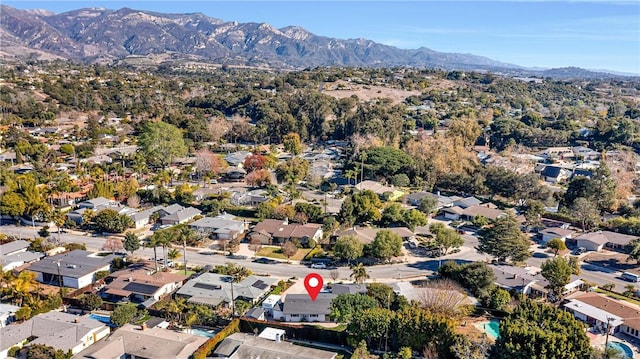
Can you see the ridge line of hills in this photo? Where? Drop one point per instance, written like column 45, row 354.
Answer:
column 108, row 36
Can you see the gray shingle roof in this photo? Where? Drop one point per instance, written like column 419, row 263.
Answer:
column 213, row 289
column 56, row 329
column 242, row 346
column 74, row 264
column 8, row 248
column 182, row 215
column 302, row 304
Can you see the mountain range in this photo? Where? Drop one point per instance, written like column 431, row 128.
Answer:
column 104, row 35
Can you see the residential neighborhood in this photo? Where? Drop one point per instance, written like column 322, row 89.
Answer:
column 130, row 235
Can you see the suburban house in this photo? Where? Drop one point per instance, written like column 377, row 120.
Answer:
column 586, row 153
column 137, row 286
column 558, row 152
column 171, row 209
column 354, row 288
column 95, row 203
column 452, row 213
column 278, row 231
column 467, row 202
column 134, row 341
column 599, row 310
column 300, row 307
column 243, row 345
column 273, row 301
column 555, row 174
column 548, row 234
column 223, row 226
column 595, row 241
column 215, row 289
column 522, row 280
column 367, row 235
column 380, row 189
column 236, row 159
column 7, row 313
column 181, row 216
column 249, row 198
column 143, row 218
column 471, row 212
column 256, row 313
column 55, row 329
column 77, row 268
column 14, row 254
column 443, row 201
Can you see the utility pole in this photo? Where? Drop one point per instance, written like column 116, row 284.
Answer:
column 606, row 342
column 233, row 304
column 184, row 254
column 59, row 279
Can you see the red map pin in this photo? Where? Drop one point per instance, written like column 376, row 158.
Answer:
column 313, row 283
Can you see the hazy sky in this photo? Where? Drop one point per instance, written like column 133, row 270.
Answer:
column 589, row 34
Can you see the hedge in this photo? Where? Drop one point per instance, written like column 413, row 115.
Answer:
column 307, row 331
column 209, row 345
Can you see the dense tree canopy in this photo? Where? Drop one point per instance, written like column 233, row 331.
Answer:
column 504, row 240
column 538, row 330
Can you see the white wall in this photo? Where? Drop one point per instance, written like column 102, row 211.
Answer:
column 306, row 317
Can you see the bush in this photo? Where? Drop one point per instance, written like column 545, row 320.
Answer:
column 209, row 345
column 13, row 351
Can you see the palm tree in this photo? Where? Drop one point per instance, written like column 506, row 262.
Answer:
column 153, row 243
column 163, row 239
column 174, row 253
column 23, row 285
column 359, row 273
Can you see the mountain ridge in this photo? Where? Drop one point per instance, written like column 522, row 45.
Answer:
column 106, row 35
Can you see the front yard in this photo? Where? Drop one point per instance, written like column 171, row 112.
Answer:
column 276, row 252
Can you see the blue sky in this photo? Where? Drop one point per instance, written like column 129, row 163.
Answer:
column 589, row 34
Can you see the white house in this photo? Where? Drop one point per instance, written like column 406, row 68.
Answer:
column 271, row 303
column 593, row 241
column 300, row 307
column 14, row 254
column 77, row 269
column 223, row 226
column 548, row 234
column 600, row 311
column 55, row 329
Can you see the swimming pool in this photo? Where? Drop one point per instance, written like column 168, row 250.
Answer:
column 492, row 328
column 201, row 332
column 102, row 318
column 622, row 348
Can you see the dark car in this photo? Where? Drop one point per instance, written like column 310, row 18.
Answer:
column 264, row 260
column 235, row 256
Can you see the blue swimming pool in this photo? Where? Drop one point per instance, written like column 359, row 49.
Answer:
column 201, row 332
column 622, row 348
column 102, row 318
column 491, row 328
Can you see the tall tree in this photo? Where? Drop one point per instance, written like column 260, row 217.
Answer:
column 586, row 211
column 386, row 244
column 292, row 143
column 537, row 331
column 161, row 143
column 289, row 249
column 446, row 238
column 557, row 272
column 557, row 245
column 347, row 248
column 504, row 240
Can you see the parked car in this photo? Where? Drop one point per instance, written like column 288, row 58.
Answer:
column 236, row 256
column 319, row 266
column 264, row 260
column 579, row 250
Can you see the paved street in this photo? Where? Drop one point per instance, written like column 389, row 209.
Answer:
column 412, row 268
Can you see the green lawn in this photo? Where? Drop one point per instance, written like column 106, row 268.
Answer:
column 276, row 252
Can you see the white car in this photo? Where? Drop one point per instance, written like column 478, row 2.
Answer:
column 319, row 266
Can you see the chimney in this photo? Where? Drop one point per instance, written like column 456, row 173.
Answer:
column 277, row 337
column 76, row 320
column 143, row 326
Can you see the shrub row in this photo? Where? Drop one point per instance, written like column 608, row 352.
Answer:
column 209, row 345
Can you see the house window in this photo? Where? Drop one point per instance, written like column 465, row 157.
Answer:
column 313, row 315
column 295, row 315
